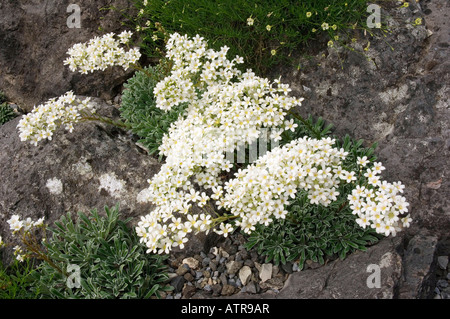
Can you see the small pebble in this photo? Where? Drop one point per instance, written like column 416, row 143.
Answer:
column 207, row 288
column 443, row 262
column 188, row 276
column 442, row 283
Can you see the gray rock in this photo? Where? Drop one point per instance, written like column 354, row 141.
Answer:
column 275, row 283
column 32, row 66
column 188, row 291
column 213, row 265
column 207, row 288
column 223, row 253
column 245, row 274
column 228, row 290
column 216, row 290
column 249, row 263
column 287, row 268
column 442, row 283
column 86, row 162
column 445, row 293
column 418, row 266
column 223, row 279
column 312, row 265
column 221, row 268
column 251, row 288
column 348, row 278
column 198, row 274
column 214, row 251
column 233, row 267
column 177, row 283
column 193, row 263
column 205, row 262
column 266, row 272
column 442, row 262
column 182, row 270
column 232, row 282
column 188, row 276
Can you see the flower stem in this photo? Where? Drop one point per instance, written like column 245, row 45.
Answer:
column 95, row 117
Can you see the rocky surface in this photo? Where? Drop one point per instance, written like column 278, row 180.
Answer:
column 94, row 166
column 398, row 97
column 35, row 38
column 225, row 270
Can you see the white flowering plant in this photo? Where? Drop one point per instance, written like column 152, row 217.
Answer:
column 219, row 110
column 320, row 232
column 222, row 115
column 103, row 52
column 31, row 236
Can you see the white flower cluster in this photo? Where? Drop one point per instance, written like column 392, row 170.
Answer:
column 16, row 225
column 102, row 52
column 263, row 190
column 226, row 110
column 46, row 118
column 379, row 204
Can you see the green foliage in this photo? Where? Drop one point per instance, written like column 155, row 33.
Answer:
column 139, row 109
column 314, row 232
column 281, row 25
column 6, row 113
column 2, row 97
column 17, row 281
column 113, row 264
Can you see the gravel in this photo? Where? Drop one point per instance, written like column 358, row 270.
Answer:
column 225, row 270
column 442, row 289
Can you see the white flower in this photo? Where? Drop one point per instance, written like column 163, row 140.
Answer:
column 225, row 230
column 102, row 52
column 125, row 37
column 363, row 221
column 378, row 205
column 378, row 167
column 362, row 161
column 349, row 177
column 406, row 221
column 39, row 222
column 228, row 109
